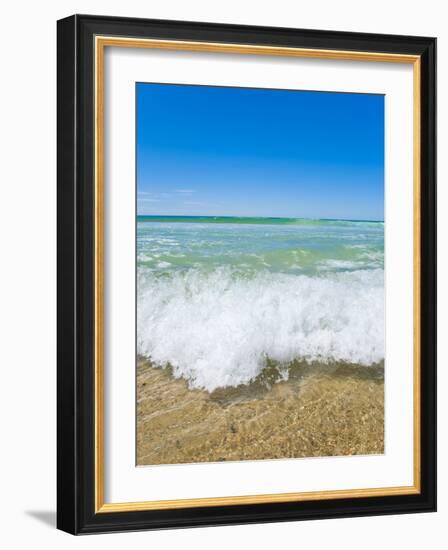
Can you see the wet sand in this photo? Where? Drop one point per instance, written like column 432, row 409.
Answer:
column 318, row 411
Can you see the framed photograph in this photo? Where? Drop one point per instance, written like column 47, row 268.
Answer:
column 246, row 274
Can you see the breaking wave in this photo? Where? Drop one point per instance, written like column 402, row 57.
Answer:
column 221, row 328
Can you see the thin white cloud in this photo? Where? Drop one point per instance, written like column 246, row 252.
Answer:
column 153, row 196
column 199, row 203
column 186, row 191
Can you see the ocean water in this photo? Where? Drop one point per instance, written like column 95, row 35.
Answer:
column 220, row 299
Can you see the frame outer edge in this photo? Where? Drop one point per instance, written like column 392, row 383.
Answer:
column 76, row 513
column 67, row 454
column 429, row 272
column 433, row 89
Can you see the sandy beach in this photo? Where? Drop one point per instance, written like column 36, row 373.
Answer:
column 319, row 411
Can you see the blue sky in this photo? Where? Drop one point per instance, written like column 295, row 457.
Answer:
column 204, row 150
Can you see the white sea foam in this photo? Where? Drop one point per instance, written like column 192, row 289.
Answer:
column 217, row 329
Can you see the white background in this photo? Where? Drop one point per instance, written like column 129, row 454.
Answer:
column 27, row 289
column 123, row 481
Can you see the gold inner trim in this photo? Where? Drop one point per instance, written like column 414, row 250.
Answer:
column 417, row 272
column 104, row 41
column 283, row 51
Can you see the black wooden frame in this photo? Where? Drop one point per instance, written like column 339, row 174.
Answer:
column 75, row 405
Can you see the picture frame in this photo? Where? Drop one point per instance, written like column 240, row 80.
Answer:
column 82, row 209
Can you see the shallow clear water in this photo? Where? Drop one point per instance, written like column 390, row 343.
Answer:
column 220, row 298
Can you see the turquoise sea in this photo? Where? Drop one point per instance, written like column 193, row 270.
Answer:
column 221, row 297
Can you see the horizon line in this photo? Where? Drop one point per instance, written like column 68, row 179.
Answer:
column 254, row 216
